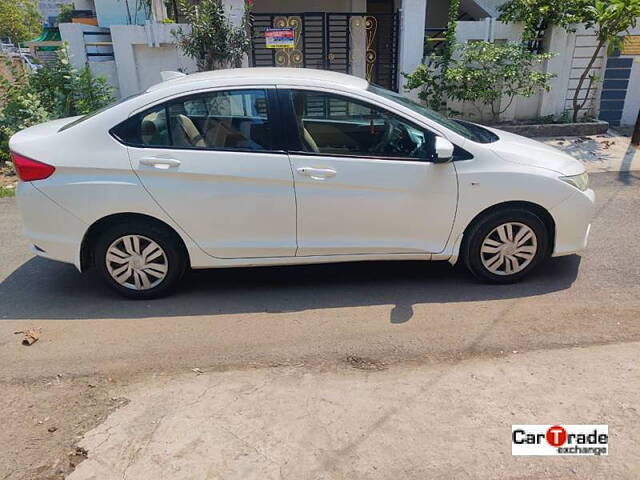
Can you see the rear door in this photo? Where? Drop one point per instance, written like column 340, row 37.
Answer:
column 214, row 163
column 364, row 183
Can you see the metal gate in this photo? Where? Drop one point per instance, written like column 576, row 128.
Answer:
column 355, row 43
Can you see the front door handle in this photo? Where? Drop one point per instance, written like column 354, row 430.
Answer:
column 317, row 173
column 159, row 162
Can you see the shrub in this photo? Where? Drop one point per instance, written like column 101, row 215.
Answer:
column 56, row 90
column 429, row 79
column 486, row 73
column 483, row 73
column 213, row 40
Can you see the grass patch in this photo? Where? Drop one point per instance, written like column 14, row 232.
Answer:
column 7, row 192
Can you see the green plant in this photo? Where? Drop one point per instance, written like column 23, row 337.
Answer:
column 429, row 79
column 67, row 91
column 21, row 108
column 213, row 41
column 609, row 18
column 431, row 76
column 20, row 20
column 56, row 90
column 7, row 192
column 486, row 73
column 481, row 73
column 449, row 47
column 537, row 15
column 66, row 13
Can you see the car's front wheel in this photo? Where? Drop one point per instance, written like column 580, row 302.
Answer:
column 505, row 245
column 139, row 261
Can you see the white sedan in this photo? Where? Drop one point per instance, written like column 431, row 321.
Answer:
column 280, row 166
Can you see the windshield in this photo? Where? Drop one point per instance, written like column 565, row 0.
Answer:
column 468, row 130
column 96, row 112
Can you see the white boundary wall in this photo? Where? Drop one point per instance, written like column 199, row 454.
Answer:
column 142, row 52
column 584, row 46
column 632, row 100
column 72, row 34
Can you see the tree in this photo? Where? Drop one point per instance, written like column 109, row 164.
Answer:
column 20, row 20
column 430, row 77
column 487, row 73
column 213, row 40
column 635, row 140
column 482, row 73
column 537, row 15
column 609, row 18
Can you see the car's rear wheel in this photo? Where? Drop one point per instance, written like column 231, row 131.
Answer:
column 139, row 261
column 505, row 245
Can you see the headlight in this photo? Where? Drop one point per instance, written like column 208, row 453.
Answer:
column 581, row 182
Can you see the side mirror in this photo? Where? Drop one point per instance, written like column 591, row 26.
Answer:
column 444, row 150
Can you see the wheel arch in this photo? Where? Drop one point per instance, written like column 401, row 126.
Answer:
column 534, row 208
column 92, row 233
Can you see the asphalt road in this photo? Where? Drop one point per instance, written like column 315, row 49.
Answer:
column 383, row 311
column 410, row 352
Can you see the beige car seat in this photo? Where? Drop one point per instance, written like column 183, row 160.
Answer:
column 186, row 134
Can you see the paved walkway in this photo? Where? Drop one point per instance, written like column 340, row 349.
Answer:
column 449, row 420
column 611, row 152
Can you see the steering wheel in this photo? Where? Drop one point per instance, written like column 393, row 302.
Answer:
column 389, row 127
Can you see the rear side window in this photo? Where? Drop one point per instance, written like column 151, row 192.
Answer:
column 227, row 120
column 96, row 112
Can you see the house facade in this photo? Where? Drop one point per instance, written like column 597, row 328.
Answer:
column 375, row 39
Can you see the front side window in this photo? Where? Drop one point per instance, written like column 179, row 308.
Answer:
column 336, row 125
column 230, row 120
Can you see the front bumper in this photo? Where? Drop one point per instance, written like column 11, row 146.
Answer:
column 54, row 232
column 573, row 222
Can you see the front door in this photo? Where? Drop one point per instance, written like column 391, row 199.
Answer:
column 363, row 181
column 212, row 163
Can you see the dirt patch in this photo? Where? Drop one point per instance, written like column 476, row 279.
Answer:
column 365, row 363
column 8, row 178
column 8, row 181
column 43, row 420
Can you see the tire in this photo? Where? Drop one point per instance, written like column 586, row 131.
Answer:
column 499, row 238
column 140, row 260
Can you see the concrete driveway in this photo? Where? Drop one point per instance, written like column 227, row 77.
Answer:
column 379, row 370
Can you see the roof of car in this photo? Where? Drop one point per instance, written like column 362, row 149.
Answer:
column 266, row 75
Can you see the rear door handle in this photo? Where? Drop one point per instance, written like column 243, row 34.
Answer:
column 317, row 173
column 159, row 162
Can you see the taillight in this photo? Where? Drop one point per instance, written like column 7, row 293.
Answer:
column 29, row 170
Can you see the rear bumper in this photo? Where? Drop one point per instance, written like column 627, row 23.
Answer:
column 54, row 232
column 573, row 223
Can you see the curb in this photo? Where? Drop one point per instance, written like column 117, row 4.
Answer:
column 558, row 129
